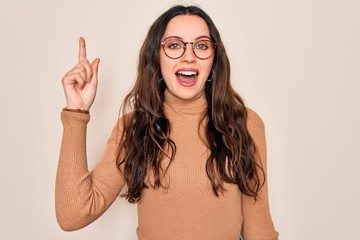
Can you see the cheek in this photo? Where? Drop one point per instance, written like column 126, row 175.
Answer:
column 209, row 66
column 166, row 66
column 163, row 65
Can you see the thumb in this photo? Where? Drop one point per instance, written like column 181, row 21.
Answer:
column 95, row 68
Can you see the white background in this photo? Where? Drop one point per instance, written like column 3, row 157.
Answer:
column 297, row 63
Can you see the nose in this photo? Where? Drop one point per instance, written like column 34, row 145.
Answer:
column 189, row 55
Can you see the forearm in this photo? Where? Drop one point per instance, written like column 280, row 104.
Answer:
column 82, row 196
column 72, row 180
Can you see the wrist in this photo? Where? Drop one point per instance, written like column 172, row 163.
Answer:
column 76, row 110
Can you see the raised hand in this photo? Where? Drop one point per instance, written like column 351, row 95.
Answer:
column 80, row 83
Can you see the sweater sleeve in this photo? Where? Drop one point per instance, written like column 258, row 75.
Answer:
column 81, row 196
column 257, row 223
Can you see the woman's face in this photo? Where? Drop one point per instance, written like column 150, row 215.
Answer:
column 185, row 77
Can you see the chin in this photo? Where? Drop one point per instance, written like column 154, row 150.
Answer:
column 187, row 94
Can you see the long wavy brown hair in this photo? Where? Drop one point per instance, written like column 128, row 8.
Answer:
column 146, row 131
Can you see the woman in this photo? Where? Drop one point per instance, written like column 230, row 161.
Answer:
column 191, row 155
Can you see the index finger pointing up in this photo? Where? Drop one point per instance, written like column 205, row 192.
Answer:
column 82, row 49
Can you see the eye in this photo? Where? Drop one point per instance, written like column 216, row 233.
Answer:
column 173, row 44
column 203, row 45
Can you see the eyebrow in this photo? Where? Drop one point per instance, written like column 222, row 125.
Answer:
column 177, row 37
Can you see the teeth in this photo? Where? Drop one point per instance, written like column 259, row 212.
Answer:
column 187, row 73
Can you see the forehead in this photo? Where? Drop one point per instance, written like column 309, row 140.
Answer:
column 187, row 27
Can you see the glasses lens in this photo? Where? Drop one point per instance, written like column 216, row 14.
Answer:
column 203, row 48
column 174, row 48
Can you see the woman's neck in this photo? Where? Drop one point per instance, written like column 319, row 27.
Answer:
column 178, row 108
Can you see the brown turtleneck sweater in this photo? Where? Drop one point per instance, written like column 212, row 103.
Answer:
column 187, row 209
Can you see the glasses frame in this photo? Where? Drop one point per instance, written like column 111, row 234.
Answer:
column 185, row 47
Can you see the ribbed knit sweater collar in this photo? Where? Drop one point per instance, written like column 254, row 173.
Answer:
column 176, row 108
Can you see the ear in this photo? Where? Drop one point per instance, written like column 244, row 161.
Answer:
column 211, row 75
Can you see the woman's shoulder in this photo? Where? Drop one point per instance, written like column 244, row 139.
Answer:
column 254, row 121
column 253, row 117
column 120, row 125
column 123, row 120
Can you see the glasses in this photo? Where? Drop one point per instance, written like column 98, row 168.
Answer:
column 175, row 48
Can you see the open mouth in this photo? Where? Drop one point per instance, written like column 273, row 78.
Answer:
column 187, row 78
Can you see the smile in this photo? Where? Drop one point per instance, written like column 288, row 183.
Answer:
column 187, row 78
